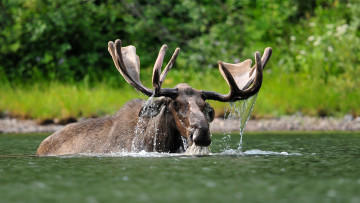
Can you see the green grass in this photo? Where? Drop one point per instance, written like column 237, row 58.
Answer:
column 279, row 95
column 56, row 100
column 288, row 94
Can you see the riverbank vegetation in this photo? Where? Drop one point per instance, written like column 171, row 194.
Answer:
column 55, row 64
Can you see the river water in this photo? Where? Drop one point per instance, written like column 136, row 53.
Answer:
column 272, row 167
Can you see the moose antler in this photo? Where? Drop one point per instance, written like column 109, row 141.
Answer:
column 128, row 64
column 240, row 77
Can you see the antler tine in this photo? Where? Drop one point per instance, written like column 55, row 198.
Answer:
column 119, row 60
column 111, row 49
column 244, row 94
column 157, row 78
column 265, row 58
column 128, row 64
column 118, row 65
column 169, row 65
column 130, row 71
column 235, row 74
column 157, row 69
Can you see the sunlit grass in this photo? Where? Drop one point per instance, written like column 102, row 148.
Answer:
column 298, row 93
column 279, row 95
column 56, row 100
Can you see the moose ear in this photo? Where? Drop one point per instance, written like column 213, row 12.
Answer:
column 209, row 113
column 152, row 110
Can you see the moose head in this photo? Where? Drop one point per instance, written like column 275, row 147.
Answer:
column 190, row 111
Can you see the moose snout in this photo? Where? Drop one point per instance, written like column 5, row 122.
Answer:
column 201, row 137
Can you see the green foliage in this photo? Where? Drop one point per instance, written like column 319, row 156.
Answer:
column 67, row 41
column 62, row 40
column 326, row 46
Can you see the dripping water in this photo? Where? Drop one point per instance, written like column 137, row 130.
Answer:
column 155, row 134
column 245, row 109
column 185, row 143
column 147, row 111
column 225, row 141
column 240, row 110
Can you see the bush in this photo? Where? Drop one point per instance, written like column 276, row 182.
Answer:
column 67, row 40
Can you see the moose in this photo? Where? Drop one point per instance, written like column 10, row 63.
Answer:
column 178, row 118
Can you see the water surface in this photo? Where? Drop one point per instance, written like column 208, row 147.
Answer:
column 273, row 167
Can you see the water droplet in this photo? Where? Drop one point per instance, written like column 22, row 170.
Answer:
column 331, row 193
column 210, row 184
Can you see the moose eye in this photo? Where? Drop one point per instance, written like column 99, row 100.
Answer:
column 175, row 105
column 209, row 113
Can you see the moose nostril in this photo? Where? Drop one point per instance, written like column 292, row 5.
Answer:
column 202, row 142
column 202, row 138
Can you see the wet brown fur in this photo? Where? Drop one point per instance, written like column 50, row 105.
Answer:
column 116, row 133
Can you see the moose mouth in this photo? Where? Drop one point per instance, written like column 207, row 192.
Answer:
column 195, row 149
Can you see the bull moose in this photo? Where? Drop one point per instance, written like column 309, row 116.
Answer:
column 179, row 118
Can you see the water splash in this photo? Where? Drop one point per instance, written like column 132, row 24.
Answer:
column 142, row 153
column 147, row 111
column 197, row 150
column 257, row 152
column 241, row 110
